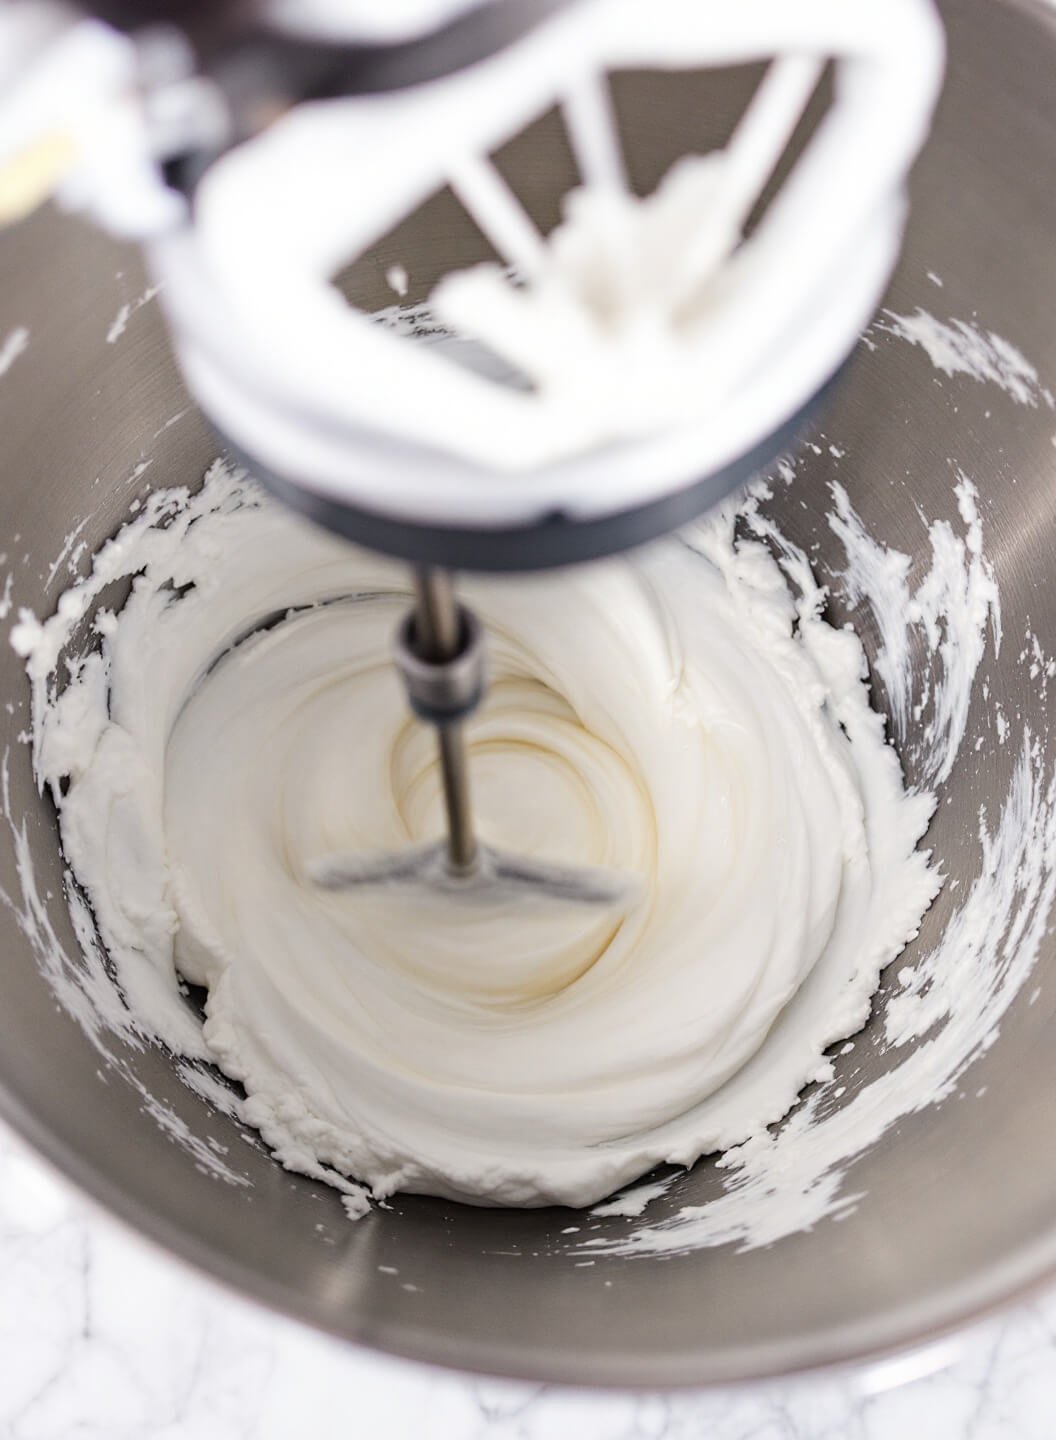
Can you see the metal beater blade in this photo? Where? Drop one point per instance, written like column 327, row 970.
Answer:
column 440, row 654
column 495, row 874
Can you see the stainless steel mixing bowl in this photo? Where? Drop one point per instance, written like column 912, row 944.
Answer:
column 959, row 1207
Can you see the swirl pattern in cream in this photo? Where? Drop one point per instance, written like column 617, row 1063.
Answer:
column 686, row 715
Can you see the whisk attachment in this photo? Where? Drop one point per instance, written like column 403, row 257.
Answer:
column 440, row 657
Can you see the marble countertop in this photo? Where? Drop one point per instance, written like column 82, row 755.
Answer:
column 104, row 1338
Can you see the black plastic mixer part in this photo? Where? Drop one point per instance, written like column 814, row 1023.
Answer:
column 553, row 540
column 262, row 69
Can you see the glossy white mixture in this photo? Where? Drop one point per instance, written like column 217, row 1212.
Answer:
column 686, row 716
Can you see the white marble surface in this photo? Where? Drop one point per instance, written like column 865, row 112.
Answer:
column 103, row 1338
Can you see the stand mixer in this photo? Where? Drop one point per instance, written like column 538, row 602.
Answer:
column 945, row 1216
column 597, row 386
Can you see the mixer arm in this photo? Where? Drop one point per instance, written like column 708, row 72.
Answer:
column 262, row 69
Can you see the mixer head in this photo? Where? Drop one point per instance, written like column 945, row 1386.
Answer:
column 593, row 387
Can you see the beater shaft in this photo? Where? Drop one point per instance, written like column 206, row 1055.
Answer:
column 440, row 656
column 439, row 640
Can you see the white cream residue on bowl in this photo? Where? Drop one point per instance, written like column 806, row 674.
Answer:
column 778, row 1180
column 685, row 715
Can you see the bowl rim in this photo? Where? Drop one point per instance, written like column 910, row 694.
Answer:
column 900, row 1331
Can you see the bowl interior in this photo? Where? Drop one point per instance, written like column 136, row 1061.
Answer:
column 957, row 1201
